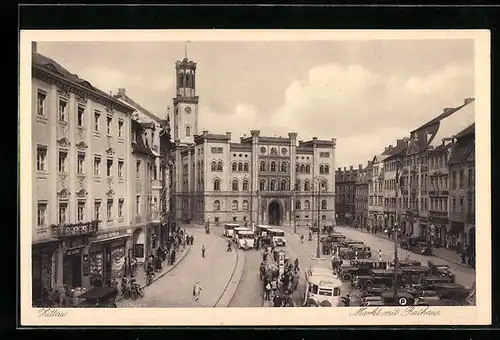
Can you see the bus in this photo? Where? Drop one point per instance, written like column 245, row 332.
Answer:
column 236, row 230
column 228, row 229
column 323, row 289
column 245, row 239
column 278, row 237
column 262, row 230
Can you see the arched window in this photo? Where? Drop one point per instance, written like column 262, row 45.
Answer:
column 235, row 185
column 297, row 168
column 297, row 185
column 283, row 185
column 240, row 167
column 244, row 205
column 324, row 205
column 307, row 186
column 321, row 169
column 297, row 205
column 245, row 185
column 273, row 184
column 274, row 151
column 262, row 184
column 307, row 206
column 214, row 166
column 216, row 185
column 234, row 205
column 308, row 169
column 327, row 169
column 219, row 166
column 234, row 166
column 245, row 167
column 302, row 168
column 273, row 166
column 324, row 185
column 216, row 205
column 262, row 166
column 283, row 167
column 188, row 131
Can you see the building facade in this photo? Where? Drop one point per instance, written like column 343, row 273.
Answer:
column 361, row 197
column 345, row 199
column 81, row 141
column 376, row 193
column 462, row 210
column 270, row 180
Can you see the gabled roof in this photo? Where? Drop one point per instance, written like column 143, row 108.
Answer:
column 468, row 131
column 124, row 97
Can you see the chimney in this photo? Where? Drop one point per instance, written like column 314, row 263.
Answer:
column 33, row 47
column 122, row 92
column 345, row 169
column 468, row 101
column 300, row 142
column 228, row 134
column 205, row 132
column 339, row 169
column 315, row 138
column 360, row 167
column 351, row 167
column 386, row 149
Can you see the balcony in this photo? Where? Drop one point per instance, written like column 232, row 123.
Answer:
column 76, row 229
column 438, row 214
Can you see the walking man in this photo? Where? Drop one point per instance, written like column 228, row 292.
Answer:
column 196, row 292
column 203, row 251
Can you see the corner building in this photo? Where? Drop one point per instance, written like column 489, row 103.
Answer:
column 269, row 180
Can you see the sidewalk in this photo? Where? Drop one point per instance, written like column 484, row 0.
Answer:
column 442, row 253
column 213, row 272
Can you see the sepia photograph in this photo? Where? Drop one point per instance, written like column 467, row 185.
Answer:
column 217, row 175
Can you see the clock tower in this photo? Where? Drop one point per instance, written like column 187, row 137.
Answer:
column 185, row 102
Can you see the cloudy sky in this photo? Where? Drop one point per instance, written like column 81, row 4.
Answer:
column 365, row 93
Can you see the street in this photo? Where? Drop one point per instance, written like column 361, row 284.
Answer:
column 175, row 288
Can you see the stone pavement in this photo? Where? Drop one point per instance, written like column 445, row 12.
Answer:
column 175, row 288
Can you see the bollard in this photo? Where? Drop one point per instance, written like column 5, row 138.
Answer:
column 380, row 254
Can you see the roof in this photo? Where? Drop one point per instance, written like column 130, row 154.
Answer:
column 139, row 145
column 463, row 151
column 53, row 68
column 123, row 96
column 468, row 131
column 441, row 148
column 326, row 280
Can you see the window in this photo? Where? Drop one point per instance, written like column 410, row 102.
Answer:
column 109, row 166
column 324, row 205
column 297, row 205
column 284, row 185
column 273, row 185
column 188, row 131
column 327, row 169
column 213, row 166
column 97, row 119
column 307, row 186
column 234, row 205
column 324, row 186
column 274, row 151
column 81, row 115
column 109, row 210
column 307, row 205
column 470, row 177
column 41, row 214
column 41, row 158
column 40, row 110
column 461, row 179
column 297, row 185
column 120, row 207
column 240, row 167
column 262, row 150
column 461, row 204
column 138, row 205
column 454, row 205
column 321, row 169
column 216, row 185
column 235, row 185
column 244, row 206
column 262, row 184
column 63, row 157
column 134, row 136
column 81, row 211
column 62, row 110
column 120, row 128
column 308, row 169
column 219, row 166
column 80, row 163
column 120, row 169
column 245, row 167
column 97, row 165
column 273, row 166
column 234, row 166
column 97, row 210
column 216, row 205
column 155, row 172
column 63, row 212
column 297, row 167
column 245, row 185
column 302, row 168
column 137, row 169
column 262, row 166
column 109, row 121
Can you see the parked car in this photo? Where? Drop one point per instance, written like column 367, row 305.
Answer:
column 440, row 270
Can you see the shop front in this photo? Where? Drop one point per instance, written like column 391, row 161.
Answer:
column 154, row 237
column 42, row 268
column 107, row 255
column 455, row 237
column 138, row 251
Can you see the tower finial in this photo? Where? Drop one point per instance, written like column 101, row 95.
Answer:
column 186, row 48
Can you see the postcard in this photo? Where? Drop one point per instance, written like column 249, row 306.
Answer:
column 205, row 177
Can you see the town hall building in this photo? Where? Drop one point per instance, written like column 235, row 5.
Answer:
column 261, row 179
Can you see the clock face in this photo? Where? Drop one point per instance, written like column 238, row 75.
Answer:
column 187, row 109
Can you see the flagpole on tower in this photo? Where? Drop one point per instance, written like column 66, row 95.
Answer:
column 186, row 49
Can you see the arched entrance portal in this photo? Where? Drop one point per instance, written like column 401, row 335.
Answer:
column 275, row 213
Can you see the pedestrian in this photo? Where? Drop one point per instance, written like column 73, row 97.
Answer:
column 203, row 251
column 277, row 301
column 229, row 247
column 197, row 292
column 192, row 239
column 264, row 256
column 267, row 290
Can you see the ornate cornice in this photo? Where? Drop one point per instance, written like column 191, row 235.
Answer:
column 81, row 145
column 82, row 193
column 64, row 90
column 110, row 151
column 64, row 193
column 110, row 193
column 63, row 142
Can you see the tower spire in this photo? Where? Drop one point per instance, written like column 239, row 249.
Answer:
column 186, row 48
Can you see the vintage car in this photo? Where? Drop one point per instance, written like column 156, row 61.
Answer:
column 451, row 291
column 409, row 242
column 99, row 297
column 362, row 251
column 346, row 253
column 430, row 298
column 347, row 242
column 361, row 267
column 440, row 270
column 377, row 277
column 422, row 248
column 414, row 274
column 430, row 281
column 401, row 298
column 408, row 262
